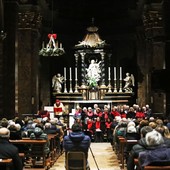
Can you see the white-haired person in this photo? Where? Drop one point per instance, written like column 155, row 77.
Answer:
column 137, row 148
column 8, row 150
column 156, row 153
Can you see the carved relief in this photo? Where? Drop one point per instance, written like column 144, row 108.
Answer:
column 153, row 24
column 29, row 19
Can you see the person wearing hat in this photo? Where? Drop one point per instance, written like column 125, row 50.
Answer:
column 8, row 150
column 77, row 141
column 59, row 108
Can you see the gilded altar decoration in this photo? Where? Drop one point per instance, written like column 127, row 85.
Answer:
column 92, row 39
column 52, row 48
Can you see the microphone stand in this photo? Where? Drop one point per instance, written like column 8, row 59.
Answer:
column 94, row 159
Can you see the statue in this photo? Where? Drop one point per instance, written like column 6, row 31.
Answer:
column 57, row 81
column 129, row 82
column 93, row 72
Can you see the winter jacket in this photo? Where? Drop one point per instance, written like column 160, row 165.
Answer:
column 77, row 141
column 134, row 153
column 158, row 155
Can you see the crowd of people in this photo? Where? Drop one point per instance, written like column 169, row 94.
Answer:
column 100, row 122
column 95, row 124
column 29, row 127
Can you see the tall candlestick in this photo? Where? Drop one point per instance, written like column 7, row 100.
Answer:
column 120, row 73
column 70, row 74
column 114, row 73
column 76, row 73
column 109, row 73
column 43, row 44
column 65, row 73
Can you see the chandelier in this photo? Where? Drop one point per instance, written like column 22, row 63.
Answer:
column 52, row 48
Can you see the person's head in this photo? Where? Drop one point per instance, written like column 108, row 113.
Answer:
column 40, row 125
column 153, row 125
column 98, row 119
column 57, row 102
column 47, row 125
column 143, row 123
column 98, row 109
column 95, row 106
column 38, row 131
column 131, row 129
column 154, row 138
column 4, row 133
column 159, row 122
column 160, row 129
column 4, row 122
column 90, row 109
column 145, row 130
column 76, row 127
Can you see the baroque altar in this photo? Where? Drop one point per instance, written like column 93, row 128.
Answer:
column 93, row 78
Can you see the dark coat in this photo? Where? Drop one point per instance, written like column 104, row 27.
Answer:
column 8, row 150
column 77, row 141
column 157, row 155
column 136, row 149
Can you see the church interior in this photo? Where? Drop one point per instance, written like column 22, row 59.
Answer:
column 136, row 37
column 82, row 53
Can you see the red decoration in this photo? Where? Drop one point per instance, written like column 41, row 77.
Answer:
column 52, row 35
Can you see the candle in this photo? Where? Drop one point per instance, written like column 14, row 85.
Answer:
column 60, row 45
column 70, row 74
column 120, row 73
column 114, row 73
column 109, row 73
column 43, row 44
column 64, row 73
column 56, row 44
column 76, row 73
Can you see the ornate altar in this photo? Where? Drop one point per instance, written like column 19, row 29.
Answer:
column 106, row 86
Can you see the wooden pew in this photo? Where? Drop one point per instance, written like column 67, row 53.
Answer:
column 53, row 152
column 151, row 167
column 123, row 143
column 6, row 163
column 157, row 168
column 37, row 152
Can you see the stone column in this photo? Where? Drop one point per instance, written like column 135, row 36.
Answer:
column 103, row 75
column 27, row 61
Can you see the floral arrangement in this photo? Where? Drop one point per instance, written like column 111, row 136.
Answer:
column 92, row 82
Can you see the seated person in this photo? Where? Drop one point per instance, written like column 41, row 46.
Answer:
column 77, row 141
column 8, row 150
column 137, row 148
column 156, row 153
column 38, row 133
column 43, row 113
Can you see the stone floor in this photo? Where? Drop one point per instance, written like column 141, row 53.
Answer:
column 100, row 153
